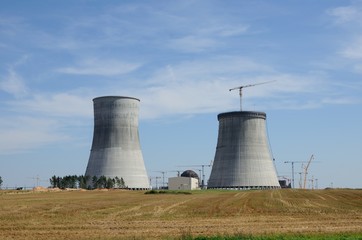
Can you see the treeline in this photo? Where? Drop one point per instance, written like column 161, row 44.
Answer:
column 1, row 182
column 86, row 182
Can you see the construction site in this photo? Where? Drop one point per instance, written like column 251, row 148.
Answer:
column 244, row 196
column 243, row 156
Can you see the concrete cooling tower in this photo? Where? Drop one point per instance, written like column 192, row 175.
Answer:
column 243, row 159
column 116, row 150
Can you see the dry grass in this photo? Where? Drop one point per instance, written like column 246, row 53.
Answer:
column 135, row 215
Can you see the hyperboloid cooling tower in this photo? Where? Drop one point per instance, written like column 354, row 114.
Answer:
column 243, row 159
column 116, row 150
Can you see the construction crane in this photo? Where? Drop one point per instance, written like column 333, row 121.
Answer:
column 306, row 170
column 156, row 178
column 245, row 86
column 163, row 178
column 292, row 162
column 178, row 172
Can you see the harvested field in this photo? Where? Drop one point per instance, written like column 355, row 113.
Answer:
column 132, row 214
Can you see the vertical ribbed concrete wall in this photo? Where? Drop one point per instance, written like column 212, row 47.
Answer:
column 116, row 150
column 243, row 159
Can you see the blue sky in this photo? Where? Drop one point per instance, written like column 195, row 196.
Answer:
column 180, row 58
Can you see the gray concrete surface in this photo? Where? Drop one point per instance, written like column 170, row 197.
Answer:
column 243, row 159
column 116, row 149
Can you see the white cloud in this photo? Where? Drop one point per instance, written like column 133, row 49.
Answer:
column 192, row 43
column 192, row 87
column 203, row 87
column 100, row 67
column 43, row 119
column 13, row 84
column 345, row 14
column 340, row 100
column 9, row 25
column 202, row 39
column 358, row 68
column 349, row 18
column 221, row 67
column 213, row 96
column 57, row 104
column 354, row 50
column 183, row 98
column 19, row 134
column 224, row 30
column 233, row 31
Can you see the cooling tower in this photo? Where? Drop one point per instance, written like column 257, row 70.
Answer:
column 116, row 150
column 243, row 159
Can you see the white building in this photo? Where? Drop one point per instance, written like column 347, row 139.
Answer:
column 188, row 181
column 183, row 183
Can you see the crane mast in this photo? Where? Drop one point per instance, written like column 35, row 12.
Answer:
column 306, row 171
column 244, row 86
column 292, row 162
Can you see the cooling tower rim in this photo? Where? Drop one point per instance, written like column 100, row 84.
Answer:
column 117, row 97
column 242, row 114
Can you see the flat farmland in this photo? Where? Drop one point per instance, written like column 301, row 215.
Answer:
column 118, row 214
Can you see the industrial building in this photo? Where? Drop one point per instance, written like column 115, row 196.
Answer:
column 243, row 158
column 188, row 180
column 116, row 150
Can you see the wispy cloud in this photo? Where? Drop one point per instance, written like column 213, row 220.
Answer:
column 202, row 87
column 346, row 14
column 358, row 68
column 231, row 31
column 166, row 85
column 189, row 87
column 353, row 50
column 106, row 67
column 39, row 120
column 349, row 20
column 21, row 134
column 55, row 104
column 9, row 25
column 341, row 100
column 13, row 84
column 210, row 69
column 192, row 43
column 206, row 38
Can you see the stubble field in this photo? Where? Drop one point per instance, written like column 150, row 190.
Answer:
column 121, row 214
